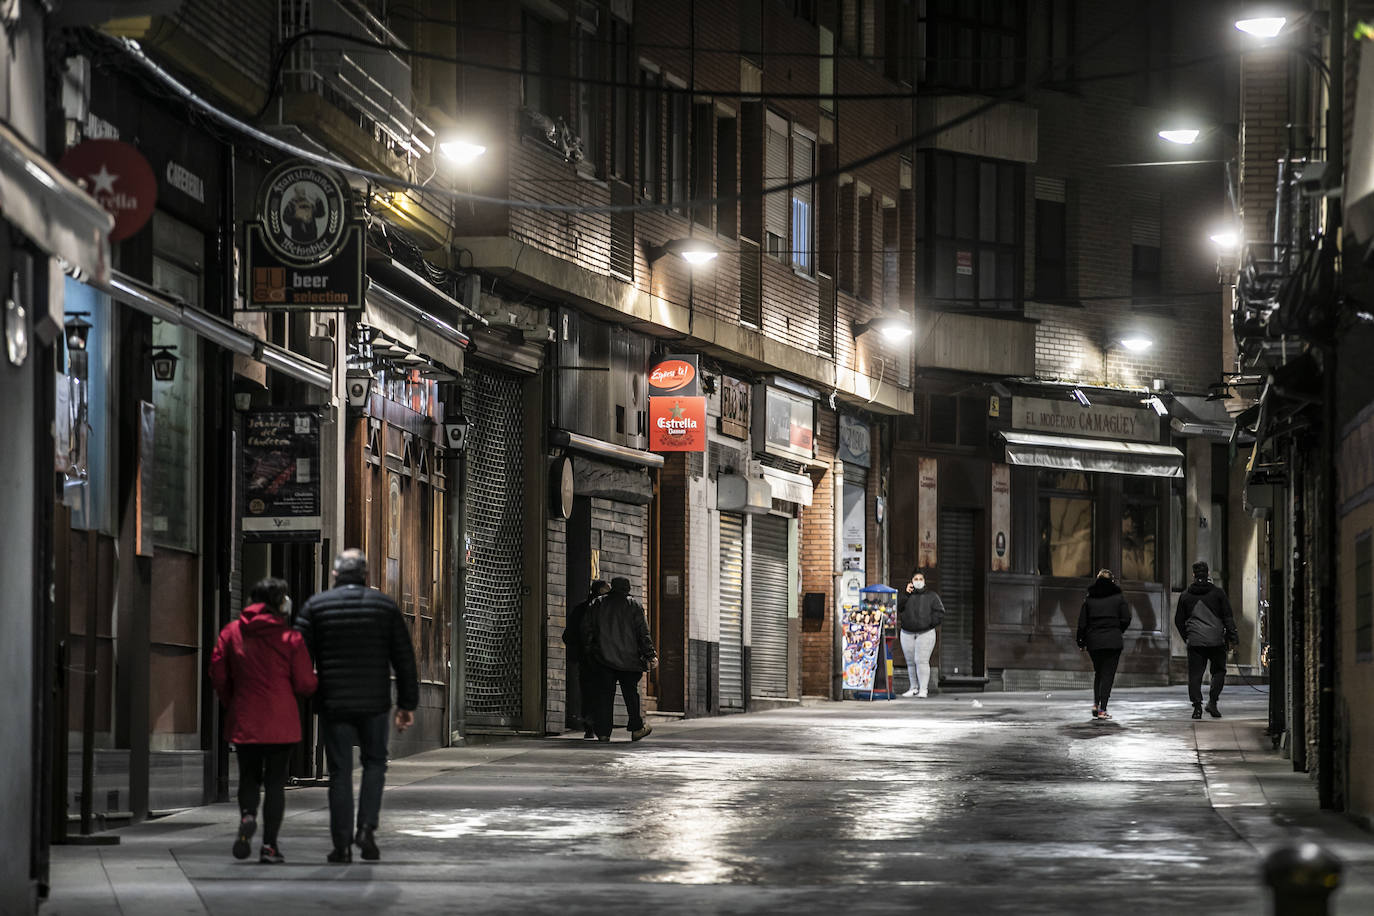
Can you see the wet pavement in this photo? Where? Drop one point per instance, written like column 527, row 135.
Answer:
column 1018, row 803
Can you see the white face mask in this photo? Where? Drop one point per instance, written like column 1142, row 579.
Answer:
column 286, row 606
column 918, row 585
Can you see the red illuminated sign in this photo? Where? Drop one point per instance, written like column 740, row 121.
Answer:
column 677, row 424
column 120, row 180
column 674, row 375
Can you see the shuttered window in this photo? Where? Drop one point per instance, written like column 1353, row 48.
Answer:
column 775, row 174
column 731, row 602
column 803, row 203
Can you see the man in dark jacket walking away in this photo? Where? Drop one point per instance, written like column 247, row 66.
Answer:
column 921, row 613
column 1105, row 615
column 1205, row 621
column 580, row 689
column 358, row 638
column 618, row 650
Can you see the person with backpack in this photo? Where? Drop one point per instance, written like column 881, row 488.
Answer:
column 1204, row 620
column 258, row 668
column 579, row 689
column 1105, row 615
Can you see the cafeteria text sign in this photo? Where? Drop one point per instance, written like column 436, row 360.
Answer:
column 1068, row 418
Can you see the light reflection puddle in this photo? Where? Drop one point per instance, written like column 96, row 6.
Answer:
column 511, row 823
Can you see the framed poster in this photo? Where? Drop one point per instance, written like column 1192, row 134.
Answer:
column 281, row 481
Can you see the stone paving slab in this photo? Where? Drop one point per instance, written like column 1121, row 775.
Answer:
column 1019, row 804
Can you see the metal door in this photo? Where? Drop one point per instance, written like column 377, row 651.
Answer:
column 957, row 568
column 731, row 602
column 492, row 607
column 768, row 607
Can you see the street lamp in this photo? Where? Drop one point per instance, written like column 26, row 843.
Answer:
column 892, row 325
column 1262, row 26
column 164, row 363
column 1181, row 135
column 461, row 150
column 1136, row 343
column 1226, row 239
column 78, row 329
column 694, row 251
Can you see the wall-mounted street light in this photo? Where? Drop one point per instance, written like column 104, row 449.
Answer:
column 1183, row 135
column 1226, row 239
column 1262, row 26
column 456, row 429
column 461, row 150
column 694, row 251
column 893, row 326
column 1077, row 395
column 1136, row 343
column 164, row 363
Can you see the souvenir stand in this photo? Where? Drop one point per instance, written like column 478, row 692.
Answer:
column 868, row 628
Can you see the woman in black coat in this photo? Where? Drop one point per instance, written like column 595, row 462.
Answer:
column 1104, row 617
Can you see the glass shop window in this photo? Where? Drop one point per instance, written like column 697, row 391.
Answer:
column 1065, row 520
column 1139, row 528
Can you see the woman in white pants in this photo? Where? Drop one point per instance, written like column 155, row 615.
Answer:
column 921, row 612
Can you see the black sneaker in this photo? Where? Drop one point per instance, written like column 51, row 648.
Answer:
column 1197, row 710
column 243, row 847
column 341, row 855
column 270, row 855
column 603, row 739
column 1213, row 711
column 368, row 844
column 641, row 733
column 588, row 735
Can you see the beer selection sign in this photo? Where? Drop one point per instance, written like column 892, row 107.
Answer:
column 677, row 409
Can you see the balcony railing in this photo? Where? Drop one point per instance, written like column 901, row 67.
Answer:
column 370, row 84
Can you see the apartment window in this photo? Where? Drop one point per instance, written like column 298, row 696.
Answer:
column 538, row 40
column 1051, row 278
column 727, row 183
column 1364, row 600
column 827, row 69
column 865, row 214
column 1139, row 528
column 1145, row 282
column 751, row 31
column 891, row 266
column 679, row 136
column 775, row 173
column 944, row 419
column 622, row 136
column 1065, row 524
column 898, row 57
column 972, row 46
column 586, row 94
column 971, row 232
column 857, row 33
column 1059, row 29
column 803, row 202
column 703, row 155
column 650, row 84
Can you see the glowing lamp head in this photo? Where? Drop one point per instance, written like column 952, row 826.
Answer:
column 461, row 152
column 1181, row 135
column 1262, row 27
column 1136, row 344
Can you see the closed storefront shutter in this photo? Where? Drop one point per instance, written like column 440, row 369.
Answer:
column 731, row 601
column 956, row 591
column 768, row 608
column 492, row 615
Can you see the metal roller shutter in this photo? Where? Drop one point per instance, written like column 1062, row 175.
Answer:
column 731, row 600
column 495, row 518
column 768, row 608
column 956, row 591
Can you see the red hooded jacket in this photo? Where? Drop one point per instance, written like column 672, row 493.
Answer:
column 259, row 666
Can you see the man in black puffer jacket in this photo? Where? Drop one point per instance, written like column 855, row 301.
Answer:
column 1205, row 621
column 357, row 637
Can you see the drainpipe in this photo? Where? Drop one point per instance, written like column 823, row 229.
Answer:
column 1329, row 538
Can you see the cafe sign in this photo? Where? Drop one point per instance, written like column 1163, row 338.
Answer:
column 1068, row 418
column 677, row 376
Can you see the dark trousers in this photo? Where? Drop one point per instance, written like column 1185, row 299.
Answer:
column 1199, row 658
column 262, row 769
column 1104, row 673
column 598, row 692
column 340, row 734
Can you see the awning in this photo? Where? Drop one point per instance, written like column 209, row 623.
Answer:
column 50, row 209
column 402, row 321
column 218, row 331
column 599, row 447
column 1075, row 453
column 788, row 487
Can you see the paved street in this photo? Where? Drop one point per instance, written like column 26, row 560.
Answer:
column 1020, row 805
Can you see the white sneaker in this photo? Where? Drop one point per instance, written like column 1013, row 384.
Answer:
column 922, row 695
column 910, row 693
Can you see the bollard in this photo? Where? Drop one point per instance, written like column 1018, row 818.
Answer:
column 1303, row 878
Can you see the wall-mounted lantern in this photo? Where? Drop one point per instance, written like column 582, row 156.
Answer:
column 164, row 363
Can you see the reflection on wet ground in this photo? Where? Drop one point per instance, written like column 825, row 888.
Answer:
column 1021, row 805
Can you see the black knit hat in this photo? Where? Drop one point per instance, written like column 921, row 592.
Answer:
column 1200, row 571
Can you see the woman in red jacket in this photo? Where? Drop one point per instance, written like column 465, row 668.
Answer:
column 259, row 666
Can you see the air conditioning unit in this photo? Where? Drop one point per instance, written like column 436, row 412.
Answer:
column 750, row 495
